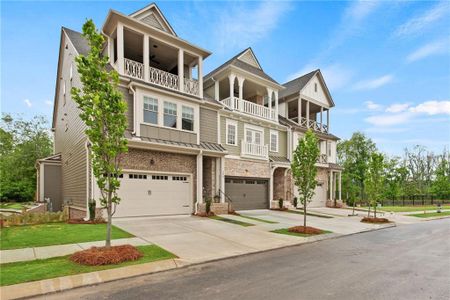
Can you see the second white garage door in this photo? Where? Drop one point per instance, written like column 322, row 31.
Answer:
column 154, row 194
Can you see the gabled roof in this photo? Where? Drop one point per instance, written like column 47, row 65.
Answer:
column 78, row 41
column 296, row 85
column 238, row 61
column 152, row 15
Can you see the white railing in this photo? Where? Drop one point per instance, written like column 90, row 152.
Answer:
column 314, row 125
column 134, row 69
column 254, row 149
column 322, row 159
column 191, row 86
column 163, row 78
column 250, row 108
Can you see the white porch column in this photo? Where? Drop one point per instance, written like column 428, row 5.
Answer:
column 276, row 105
column 217, row 178
column 216, row 91
column 331, row 185
column 340, row 186
column 299, row 110
column 321, row 118
column 199, row 178
column 307, row 113
column 231, row 78
column 269, row 99
column 272, row 170
column 111, row 50
column 222, row 179
column 200, row 76
column 181, row 70
column 146, row 57
column 120, row 51
column 328, row 120
column 241, row 91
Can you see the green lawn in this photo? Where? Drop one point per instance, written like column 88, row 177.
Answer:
column 410, row 208
column 432, row 214
column 287, row 232
column 16, row 237
column 245, row 224
column 258, row 219
column 14, row 205
column 18, row 272
column 308, row 214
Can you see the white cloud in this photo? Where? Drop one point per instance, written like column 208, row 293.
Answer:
column 28, row 102
column 359, row 10
column 373, row 83
column 239, row 27
column 420, row 23
column 432, row 108
column 434, row 48
column 389, row 119
column 372, row 105
column 398, row 107
column 48, row 102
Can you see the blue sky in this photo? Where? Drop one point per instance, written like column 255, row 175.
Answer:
column 386, row 63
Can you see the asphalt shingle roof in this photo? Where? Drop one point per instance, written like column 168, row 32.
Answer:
column 294, row 86
column 78, row 41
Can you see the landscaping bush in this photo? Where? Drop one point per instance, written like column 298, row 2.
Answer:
column 295, row 202
column 28, row 218
column 98, row 256
column 208, row 205
column 374, row 220
column 305, row 230
column 97, row 220
column 280, row 203
column 92, row 210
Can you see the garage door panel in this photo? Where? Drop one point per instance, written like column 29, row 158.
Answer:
column 154, row 195
column 247, row 193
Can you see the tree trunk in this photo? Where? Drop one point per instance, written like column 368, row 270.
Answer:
column 108, row 225
column 375, row 211
column 304, row 215
column 368, row 212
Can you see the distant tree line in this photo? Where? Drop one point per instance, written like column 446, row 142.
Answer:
column 22, row 142
column 370, row 176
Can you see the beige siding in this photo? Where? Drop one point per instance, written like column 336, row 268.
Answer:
column 128, row 98
column 208, row 125
column 168, row 134
column 69, row 135
column 282, row 142
column 320, row 95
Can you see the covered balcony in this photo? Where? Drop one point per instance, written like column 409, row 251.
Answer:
column 309, row 115
column 141, row 57
column 240, row 94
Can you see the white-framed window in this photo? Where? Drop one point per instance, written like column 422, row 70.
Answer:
column 231, row 132
column 170, row 114
column 253, row 136
column 329, row 149
column 187, row 118
column 273, row 141
column 150, row 110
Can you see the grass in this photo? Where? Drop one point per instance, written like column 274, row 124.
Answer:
column 409, row 208
column 245, row 224
column 308, row 214
column 16, row 237
column 13, row 205
column 287, row 232
column 258, row 219
column 432, row 214
column 19, row 272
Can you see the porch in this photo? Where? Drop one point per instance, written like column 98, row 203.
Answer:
column 308, row 114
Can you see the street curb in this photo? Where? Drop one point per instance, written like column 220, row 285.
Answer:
column 60, row 284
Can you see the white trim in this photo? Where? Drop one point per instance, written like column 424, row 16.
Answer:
column 218, row 128
column 199, row 183
column 41, row 181
column 254, row 128
column 252, row 54
column 235, row 124
column 276, row 133
column 147, row 10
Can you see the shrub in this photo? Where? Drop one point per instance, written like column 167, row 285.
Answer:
column 29, row 218
column 280, row 203
column 295, row 202
column 208, row 205
column 92, row 210
column 97, row 256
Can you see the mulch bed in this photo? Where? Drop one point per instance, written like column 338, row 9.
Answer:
column 305, row 230
column 204, row 214
column 82, row 221
column 98, row 256
column 374, row 220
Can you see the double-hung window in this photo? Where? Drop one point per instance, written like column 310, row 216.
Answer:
column 150, row 110
column 253, row 136
column 187, row 118
column 231, row 136
column 170, row 114
column 273, row 141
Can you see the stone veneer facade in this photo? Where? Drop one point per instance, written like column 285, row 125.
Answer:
column 247, row 168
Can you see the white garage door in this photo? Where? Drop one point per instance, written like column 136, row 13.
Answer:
column 154, row 194
column 320, row 197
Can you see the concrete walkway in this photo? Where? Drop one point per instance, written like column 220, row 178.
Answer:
column 27, row 254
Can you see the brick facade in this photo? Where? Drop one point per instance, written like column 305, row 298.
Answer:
column 246, row 168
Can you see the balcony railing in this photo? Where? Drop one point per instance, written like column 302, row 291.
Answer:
column 314, row 125
column 250, row 149
column 322, row 159
column 162, row 78
column 250, row 108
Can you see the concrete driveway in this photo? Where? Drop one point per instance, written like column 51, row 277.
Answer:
column 195, row 239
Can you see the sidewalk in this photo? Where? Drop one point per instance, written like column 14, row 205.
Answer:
column 26, row 254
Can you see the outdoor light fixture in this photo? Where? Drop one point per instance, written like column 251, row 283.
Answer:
column 152, row 161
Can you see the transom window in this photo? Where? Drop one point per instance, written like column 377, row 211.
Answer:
column 170, row 114
column 187, row 121
column 231, row 133
column 150, row 110
column 274, row 141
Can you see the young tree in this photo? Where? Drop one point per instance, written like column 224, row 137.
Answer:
column 374, row 180
column 304, row 170
column 441, row 183
column 103, row 112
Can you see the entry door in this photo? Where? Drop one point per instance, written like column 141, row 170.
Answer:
column 253, row 136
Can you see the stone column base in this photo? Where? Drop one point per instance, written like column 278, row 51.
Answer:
column 216, row 208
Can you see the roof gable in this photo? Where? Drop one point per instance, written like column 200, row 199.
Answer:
column 317, row 89
column 152, row 16
column 249, row 57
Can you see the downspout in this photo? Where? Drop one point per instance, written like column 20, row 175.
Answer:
column 130, row 87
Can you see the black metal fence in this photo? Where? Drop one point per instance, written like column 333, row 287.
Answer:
column 414, row 200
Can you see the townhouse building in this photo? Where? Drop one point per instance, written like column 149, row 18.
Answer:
column 227, row 136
